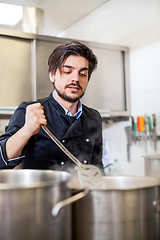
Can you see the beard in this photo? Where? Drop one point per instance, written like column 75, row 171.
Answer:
column 66, row 97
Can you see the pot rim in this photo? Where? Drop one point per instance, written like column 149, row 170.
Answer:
column 139, row 182
column 36, row 184
column 124, row 183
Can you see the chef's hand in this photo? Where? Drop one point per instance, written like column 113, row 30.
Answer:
column 34, row 118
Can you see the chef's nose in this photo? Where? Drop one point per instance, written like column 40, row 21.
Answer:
column 75, row 76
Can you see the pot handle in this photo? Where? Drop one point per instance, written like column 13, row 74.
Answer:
column 59, row 205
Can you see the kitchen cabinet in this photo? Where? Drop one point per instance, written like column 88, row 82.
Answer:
column 43, row 51
column 107, row 91
column 15, row 71
column 24, row 73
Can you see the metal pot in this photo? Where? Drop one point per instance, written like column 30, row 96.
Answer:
column 152, row 165
column 127, row 209
column 26, row 201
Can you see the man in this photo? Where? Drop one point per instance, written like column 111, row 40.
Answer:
column 78, row 127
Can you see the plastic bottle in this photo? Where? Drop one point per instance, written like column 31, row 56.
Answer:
column 115, row 169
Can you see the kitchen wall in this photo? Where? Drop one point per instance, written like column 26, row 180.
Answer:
column 145, row 99
column 145, row 79
column 134, row 24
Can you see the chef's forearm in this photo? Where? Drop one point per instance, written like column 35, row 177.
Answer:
column 16, row 143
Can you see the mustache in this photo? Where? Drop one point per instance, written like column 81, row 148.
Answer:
column 73, row 84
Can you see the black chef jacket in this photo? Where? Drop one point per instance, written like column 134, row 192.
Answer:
column 82, row 137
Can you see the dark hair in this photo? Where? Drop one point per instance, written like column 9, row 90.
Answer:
column 60, row 54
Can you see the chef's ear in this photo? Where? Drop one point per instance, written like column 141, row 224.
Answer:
column 51, row 76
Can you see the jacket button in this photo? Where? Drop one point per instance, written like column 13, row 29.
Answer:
column 62, row 163
column 63, row 141
column 87, row 139
column 85, row 161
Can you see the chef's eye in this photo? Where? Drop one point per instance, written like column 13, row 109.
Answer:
column 83, row 74
column 66, row 71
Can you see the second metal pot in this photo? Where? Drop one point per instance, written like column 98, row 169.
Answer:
column 152, row 165
column 127, row 210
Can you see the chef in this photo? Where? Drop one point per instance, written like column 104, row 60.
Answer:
column 77, row 126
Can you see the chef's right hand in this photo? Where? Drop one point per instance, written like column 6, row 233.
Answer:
column 34, row 118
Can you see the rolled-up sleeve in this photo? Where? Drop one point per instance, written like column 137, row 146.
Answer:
column 3, row 158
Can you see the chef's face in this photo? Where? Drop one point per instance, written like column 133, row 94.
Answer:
column 71, row 80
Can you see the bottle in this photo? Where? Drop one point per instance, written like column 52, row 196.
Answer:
column 115, row 169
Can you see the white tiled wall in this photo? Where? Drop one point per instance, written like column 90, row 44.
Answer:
column 145, row 99
column 129, row 159
column 145, row 79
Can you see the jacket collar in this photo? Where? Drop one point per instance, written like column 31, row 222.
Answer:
column 68, row 113
column 75, row 129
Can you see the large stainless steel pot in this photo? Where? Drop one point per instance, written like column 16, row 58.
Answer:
column 127, row 210
column 26, row 201
column 152, row 165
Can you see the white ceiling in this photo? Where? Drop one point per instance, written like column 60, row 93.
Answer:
column 131, row 23
column 64, row 12
column 124, row 22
